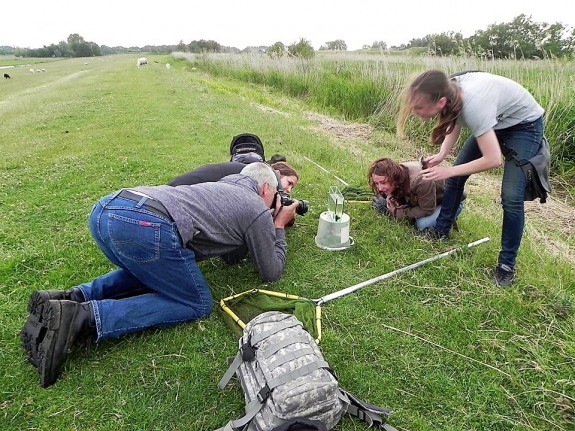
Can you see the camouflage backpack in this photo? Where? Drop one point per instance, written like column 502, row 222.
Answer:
column 285, row 379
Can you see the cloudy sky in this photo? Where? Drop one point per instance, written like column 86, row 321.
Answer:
column 241, row 23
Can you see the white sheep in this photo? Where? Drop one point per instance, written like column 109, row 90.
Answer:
column 141, row 61
column 168, row 66
column 31, row 70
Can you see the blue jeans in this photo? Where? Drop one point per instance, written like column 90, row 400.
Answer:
column 525, row 138
column 430, row 220
column 158, row 282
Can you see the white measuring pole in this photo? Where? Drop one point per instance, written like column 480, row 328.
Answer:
column 325, row 170
column 358, row 286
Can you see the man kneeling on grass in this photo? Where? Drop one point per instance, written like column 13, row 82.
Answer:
column 155, row 235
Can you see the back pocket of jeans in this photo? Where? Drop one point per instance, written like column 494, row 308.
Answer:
column 136, row 240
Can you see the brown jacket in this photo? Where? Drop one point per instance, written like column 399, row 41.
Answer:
column 423, row 196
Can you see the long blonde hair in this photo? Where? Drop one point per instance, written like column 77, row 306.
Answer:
column 434, row 85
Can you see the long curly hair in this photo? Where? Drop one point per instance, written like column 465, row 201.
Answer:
column 433, row 84
column 397, row 174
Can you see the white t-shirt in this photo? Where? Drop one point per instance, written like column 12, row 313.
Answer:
column 494, row 102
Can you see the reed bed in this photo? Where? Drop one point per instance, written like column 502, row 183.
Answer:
column 365, row 87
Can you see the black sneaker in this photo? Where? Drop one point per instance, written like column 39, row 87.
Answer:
column 432, row 234
column 503, row 275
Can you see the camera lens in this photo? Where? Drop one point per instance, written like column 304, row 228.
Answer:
column 302, row 207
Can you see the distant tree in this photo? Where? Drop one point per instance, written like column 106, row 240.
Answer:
column 569, row 43
column 277, row 50
column 521, row 38
column 449, row 43
column 64, row 49
column 198, row 46
column 74, row 38
column 108, row 50
column 424, row 42
column 379, row 45
column 335, row 45
column 182, row 46
column 6, row 50
column 96, row 51
column 302, row 49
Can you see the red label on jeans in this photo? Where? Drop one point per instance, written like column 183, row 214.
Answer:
column 145, row 223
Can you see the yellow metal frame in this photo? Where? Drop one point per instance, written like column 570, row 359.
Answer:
column 242, row 324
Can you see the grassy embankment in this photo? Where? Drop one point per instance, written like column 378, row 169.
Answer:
column 440, row 345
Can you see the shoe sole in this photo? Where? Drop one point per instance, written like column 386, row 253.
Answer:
column 34, row 329
column 48, row 370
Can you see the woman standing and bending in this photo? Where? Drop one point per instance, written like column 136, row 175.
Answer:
column 497, row 111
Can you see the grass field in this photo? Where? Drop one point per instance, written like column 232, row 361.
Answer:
column 440, row 345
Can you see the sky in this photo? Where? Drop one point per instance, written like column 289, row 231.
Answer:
column 241, row 23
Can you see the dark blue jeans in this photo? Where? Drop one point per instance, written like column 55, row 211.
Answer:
column 525, row 138
column 158, row 282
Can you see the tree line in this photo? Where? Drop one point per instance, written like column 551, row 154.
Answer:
column 521, row 38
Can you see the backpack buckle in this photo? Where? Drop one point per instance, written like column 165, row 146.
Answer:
column 263, row 394
column 248, row 352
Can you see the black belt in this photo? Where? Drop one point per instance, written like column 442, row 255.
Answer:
column 150, row 204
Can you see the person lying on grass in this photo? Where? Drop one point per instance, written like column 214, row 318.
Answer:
column 156, row 235
column 216, row 171
column 402, row 192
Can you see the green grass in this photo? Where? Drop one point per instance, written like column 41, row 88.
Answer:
column 440, row 345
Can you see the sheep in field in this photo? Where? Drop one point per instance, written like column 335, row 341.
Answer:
column 31, row 70
column 168, row 66
column 141, row 61
column 6, row 76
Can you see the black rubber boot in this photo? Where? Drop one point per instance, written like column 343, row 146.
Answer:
column 34, row 330
column 66, row 323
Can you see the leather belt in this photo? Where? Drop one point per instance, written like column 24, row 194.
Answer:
column 150, row 204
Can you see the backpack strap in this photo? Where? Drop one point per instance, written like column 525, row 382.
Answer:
column 453, row 75
column 373, row 415
column 231, row 370
column 252, row 408
column 298, row 372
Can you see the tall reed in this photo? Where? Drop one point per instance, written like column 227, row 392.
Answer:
column 365, row 87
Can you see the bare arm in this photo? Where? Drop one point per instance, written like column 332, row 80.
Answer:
column 446, row 147
column 490, row 158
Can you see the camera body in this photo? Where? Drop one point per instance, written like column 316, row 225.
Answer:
column 286, row 200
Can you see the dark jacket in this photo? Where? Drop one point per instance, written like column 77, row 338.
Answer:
column 207, row 173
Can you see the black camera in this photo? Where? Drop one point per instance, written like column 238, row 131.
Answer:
column 286, row 200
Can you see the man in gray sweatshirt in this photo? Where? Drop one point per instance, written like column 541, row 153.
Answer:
column 155, row 235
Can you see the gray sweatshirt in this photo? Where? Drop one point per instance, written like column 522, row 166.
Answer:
column 214, row 219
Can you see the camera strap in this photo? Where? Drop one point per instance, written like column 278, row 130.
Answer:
column 279, row 187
